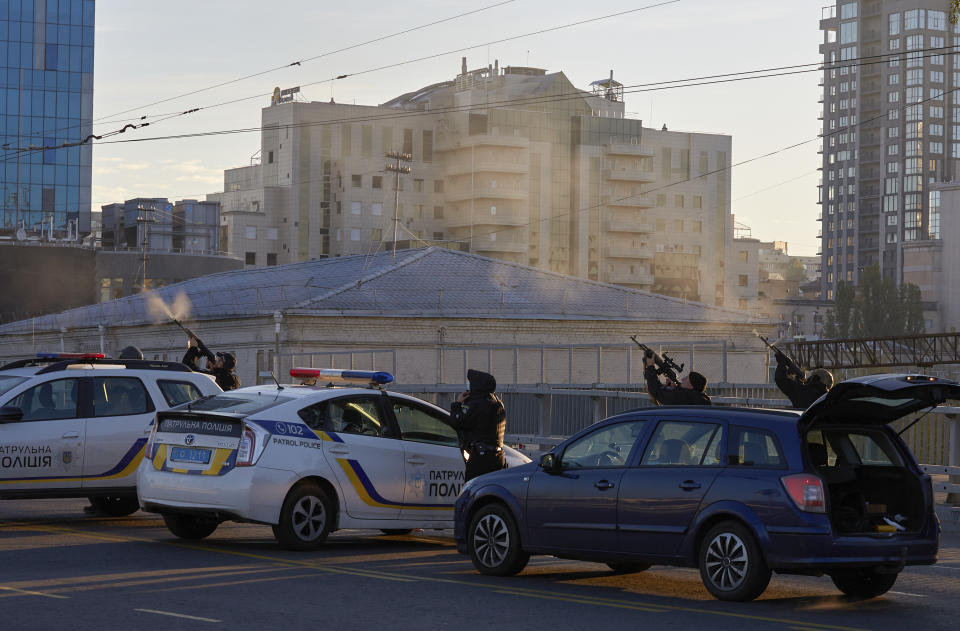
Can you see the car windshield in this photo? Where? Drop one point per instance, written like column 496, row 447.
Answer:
column 8, row 382
column 247, row 403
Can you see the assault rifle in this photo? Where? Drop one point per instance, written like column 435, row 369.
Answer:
column 206, row 352
column 664, row 363
column 782, row 357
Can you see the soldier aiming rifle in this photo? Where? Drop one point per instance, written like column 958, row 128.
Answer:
column 220, row 365
column 801, row 388
column 691, row 390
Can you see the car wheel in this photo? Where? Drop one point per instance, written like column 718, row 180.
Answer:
column 731, row 566
column 305, row 519
column 190, row 526
column 628, row 568
column 494, row 542
column 114, row 506
column 396, row 531
column 864, row 582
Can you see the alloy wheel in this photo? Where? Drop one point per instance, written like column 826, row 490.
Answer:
column 727, row 561
column 309, row 518
column 491, row 540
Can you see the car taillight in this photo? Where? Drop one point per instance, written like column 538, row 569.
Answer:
column 151, row 443
column 806, row 491
column 253, row 440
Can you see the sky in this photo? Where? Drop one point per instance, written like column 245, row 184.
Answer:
column 144, row 55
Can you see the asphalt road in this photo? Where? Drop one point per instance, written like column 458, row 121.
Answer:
column 60, row 569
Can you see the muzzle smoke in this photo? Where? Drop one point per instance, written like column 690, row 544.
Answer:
column 159, row 311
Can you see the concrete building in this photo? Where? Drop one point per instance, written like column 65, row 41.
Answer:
column 46, row 92
column 413, row 308
column 887, row 135
column 184, row 226
column 515, row 162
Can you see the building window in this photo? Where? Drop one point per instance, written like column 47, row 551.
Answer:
column 438, row 212
column 438, row 236
column 355, row 208
column 272, row 234
column 250, row 233
column 271, row 258
column 894, row 19
column 356, row 181
column 742, row 280
column 678, row 201
column 354, row 234
column 376, row 235
column 418, row 186
column 377, row 182
column 376, row 209
column 438, row 186
column 744, row 256
column 697, row 201
column 269, row 157
column 250, row 258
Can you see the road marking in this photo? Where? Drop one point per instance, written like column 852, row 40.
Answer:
column 598, row 601
column 946, row 567
column 575, row 599
column 28, row 592
column 908, row 594
column 178, row 615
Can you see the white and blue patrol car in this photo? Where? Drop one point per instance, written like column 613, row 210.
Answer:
column 76, row 424
column 306, row 459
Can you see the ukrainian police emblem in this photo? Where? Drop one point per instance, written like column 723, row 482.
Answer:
column 67, row 457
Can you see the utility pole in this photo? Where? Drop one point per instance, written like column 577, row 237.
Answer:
column 397, row 168
column 144, row 218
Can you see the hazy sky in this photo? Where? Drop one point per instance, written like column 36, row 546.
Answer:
column 145, row 54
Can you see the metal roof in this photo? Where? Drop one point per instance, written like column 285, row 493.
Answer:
column 430, row 282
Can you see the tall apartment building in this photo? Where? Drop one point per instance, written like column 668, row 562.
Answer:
column 891, row 125
column 513, row 163
column 46, row 100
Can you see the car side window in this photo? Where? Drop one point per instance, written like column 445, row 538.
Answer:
column 178, row 392
column 419, row 425
column 315, row 416
column 356, row 416
column 682, row 443
column 752, row 447
column 50, row 400
column 606, row 447
column 120, row 396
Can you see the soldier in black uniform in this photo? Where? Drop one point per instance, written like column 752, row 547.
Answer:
column 221, row 369
column 801, row 391
column 692, row 390
column 480, row 421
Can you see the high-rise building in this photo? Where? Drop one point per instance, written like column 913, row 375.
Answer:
column 514, row 163
column 46, row 101
column 891, row 128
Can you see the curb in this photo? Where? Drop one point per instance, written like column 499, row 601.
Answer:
column 949, row 518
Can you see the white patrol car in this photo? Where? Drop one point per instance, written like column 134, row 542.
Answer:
column 307, row 460
column 75, row 424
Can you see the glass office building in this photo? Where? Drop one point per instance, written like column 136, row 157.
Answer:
column 46, row 101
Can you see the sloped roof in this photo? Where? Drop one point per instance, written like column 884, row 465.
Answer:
column 430, row 282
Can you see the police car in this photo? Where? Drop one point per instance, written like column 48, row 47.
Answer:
column 306, row 459
column 75, row 424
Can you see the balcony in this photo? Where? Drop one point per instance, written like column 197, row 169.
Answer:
column 486, row 192
column 484, row 218
column 483, row 140
column 628, row 176
column 633, row 227
column 626, row 149
column 465, row 167
column 634, row 201
column 627, row 278
column 623, row 252
column 499, row 247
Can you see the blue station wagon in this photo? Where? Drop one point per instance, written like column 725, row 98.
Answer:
column 738, row 493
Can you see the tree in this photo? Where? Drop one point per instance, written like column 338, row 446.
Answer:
column 876, row 308
column 954, row 11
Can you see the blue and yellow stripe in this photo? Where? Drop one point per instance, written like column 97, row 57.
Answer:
column 127, row 465
column 368, row 493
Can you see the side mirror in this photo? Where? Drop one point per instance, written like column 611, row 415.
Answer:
column 550, row 463
column 9, row 413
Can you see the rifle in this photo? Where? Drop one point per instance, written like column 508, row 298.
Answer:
column 665, row 364
column 200, row 345
column 782, row 357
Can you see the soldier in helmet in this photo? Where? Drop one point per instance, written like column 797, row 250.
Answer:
column 802, row 390
column 221, row 367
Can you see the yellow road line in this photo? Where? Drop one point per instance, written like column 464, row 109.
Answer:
column 586, row 600
column 178, row 615
column 181, row 588
column 27, row 592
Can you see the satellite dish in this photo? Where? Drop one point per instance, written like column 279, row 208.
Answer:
column 21, row 234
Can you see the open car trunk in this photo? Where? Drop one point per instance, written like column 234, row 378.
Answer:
column 869, row 487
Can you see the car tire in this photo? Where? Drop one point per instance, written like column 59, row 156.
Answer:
column 396, row 531
column 114, row 506
column 863, row 582
column 305, row 519
column 494, row 542
column 628, row 568
column 731, row 564
column 190, row 526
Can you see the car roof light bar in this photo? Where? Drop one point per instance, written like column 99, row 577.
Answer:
column 71, row 356
column 310, row 376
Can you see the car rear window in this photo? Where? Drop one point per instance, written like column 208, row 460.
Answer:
column 178, row 392
column 237, row 403
column 871, row 452
column 9, row 382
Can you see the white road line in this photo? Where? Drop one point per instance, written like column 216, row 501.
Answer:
column 946, row 567
column 31, row 593
column 907, row 594
column 178, row 615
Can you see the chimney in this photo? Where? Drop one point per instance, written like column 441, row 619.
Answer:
column 463, row 65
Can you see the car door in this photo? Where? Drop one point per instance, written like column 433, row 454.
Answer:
column 44, row 449
column 433, row 462
column 660, row 497
column 366, row 457
column 117, row 427
column 575, row 508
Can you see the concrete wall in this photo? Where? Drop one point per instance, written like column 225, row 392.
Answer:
column 39, row 279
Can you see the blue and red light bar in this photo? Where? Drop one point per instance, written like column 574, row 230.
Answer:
column 71, row 356
column 333, row 375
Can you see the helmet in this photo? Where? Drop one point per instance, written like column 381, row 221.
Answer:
column 131, row 352
column 822, row 375
column 228, row 359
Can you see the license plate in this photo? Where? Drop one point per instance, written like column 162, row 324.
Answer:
column 195, row 456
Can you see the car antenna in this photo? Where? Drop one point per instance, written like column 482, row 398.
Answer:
column 272, row 376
